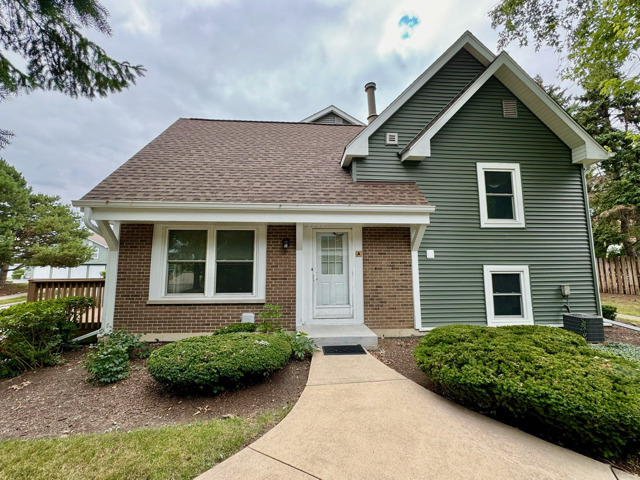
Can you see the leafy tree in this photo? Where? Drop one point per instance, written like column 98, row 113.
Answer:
column 614, row 184
column 614, row 187
column 36, row 229
column 593, row 36
column 47, row 34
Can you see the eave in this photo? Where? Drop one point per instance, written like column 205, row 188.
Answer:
column 284, row 213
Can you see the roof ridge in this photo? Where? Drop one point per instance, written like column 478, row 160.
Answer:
column 268, row 121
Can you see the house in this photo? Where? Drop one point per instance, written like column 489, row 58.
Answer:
column 464, row 201
column 92, row 268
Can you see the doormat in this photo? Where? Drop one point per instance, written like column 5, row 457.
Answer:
column 344, row 350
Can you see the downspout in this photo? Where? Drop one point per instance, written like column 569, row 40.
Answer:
column 591, row 244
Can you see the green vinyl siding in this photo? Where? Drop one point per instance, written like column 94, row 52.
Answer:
column 554, row 243
column 420, row 109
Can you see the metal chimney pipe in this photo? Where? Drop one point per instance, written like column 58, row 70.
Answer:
column 370, row 88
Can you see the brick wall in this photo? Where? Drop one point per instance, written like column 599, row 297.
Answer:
column 388, row 284
column 132, row 292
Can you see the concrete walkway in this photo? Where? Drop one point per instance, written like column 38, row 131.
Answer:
column 359, row 419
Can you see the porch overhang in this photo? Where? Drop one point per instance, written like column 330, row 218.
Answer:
column 280, row 213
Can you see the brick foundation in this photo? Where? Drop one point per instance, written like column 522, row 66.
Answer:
column 132, row 291
column 388, row 281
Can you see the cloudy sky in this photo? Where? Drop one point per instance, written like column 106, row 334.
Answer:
column 237, row 59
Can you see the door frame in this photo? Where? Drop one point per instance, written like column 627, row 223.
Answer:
column 317, row 311
column 305, row 254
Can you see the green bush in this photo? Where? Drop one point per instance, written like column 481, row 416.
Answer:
column 236, row 327
column 609, row 312
column 542, row 379
column 33, row 334
column 302, row 346
column 108, row 361
column 214, row 363
column 17, row 274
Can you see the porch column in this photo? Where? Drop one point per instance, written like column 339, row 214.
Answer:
column 111, row 279
column 417, row 233
column 299, row 272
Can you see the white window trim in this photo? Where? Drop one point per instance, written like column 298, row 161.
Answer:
column 516, row 182
column 527, row 308
column 157, row 281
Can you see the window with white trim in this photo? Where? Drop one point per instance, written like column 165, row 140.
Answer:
column 208, row 264
column 500, row 195
column 507, row 295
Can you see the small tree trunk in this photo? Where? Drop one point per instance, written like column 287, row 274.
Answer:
column 4, row 270
column 626, row 239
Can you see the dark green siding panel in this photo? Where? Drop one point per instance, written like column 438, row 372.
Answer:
column 418, row 111
column 555, row 242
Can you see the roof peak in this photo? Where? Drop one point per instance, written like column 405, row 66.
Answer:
column 267, row 121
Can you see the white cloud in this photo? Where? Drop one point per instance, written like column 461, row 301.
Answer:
column 241, row 59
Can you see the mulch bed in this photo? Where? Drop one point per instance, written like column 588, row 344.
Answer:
column 13, row 288
column 397, row 353
column 58, row 401
column 622, row 335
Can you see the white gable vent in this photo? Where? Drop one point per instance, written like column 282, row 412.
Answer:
column 509, row 108
column 392, row 139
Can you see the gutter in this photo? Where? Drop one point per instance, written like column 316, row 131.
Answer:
column 329, row 207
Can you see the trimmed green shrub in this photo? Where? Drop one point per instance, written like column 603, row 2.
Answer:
column 17, row 274
column 542, row 379
column 236, row 327
column 108, row 361
column 215, row 363
column 609, row 312
column 302, row 346
column 624, row 350
column 33, row 334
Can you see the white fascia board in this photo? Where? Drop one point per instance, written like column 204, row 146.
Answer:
column 584, row 148
column 141, row 211
column 335, row 110
column 359, row 146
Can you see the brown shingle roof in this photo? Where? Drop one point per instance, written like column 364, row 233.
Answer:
column 248, row 162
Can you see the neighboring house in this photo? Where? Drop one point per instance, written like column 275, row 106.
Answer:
column 214, row 217
column 92, row 268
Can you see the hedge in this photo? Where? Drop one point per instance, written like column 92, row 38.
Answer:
column 213, row 363
column 235, row 328
column 542, row 379
column 33, row 334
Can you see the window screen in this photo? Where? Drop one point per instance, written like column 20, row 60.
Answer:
column 499, row 191
column 186, row 259
column 234, row 261
column 507, row 294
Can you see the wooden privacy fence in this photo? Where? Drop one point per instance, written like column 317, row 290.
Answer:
column 619, row 275
column 45, row 289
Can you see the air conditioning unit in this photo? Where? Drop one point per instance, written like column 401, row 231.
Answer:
column 585, row 324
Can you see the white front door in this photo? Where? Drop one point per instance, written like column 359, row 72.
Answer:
column 331, row 275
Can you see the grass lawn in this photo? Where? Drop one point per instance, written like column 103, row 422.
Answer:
column 6, row 301
column 182, row 451
column 626, row 304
